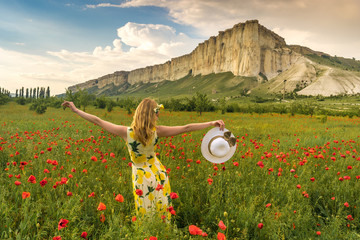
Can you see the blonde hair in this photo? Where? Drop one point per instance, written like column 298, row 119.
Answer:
column 144, row 120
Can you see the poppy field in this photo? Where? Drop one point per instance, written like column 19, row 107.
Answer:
column 292, row 177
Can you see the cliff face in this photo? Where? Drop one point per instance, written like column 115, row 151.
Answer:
column 247, row 49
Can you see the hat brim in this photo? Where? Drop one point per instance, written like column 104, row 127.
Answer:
column 205, row 149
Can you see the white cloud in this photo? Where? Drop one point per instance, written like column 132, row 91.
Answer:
column 149, row 44
column 293, row 36
column 311, row 20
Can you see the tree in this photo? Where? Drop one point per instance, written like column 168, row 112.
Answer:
column 48, row 92
column 222, row 106
column 85, row 98
column 202, row 103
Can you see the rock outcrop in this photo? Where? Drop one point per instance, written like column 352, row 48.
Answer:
column 247, row 49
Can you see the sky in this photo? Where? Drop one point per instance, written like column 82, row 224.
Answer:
column 60, row 43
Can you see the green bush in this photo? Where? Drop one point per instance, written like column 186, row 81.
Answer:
column 39, row 106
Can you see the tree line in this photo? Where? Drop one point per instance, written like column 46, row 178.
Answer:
column 198, row 103
column 38, row 92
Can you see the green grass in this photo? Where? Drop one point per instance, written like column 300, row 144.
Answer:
column 238, row 195
column 215, row 85
column 338, row 62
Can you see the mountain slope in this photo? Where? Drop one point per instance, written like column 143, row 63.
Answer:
column 246, row 58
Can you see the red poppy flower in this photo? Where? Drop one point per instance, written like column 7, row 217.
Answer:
column 173, row 195
column 139, row 192
column 350, row 218
column 153, row 238
column 221, row 236
column 222, row 225
column 346, row 204
column 25, row 195
column 101, row 207
column 62, row 223
column 260, row 225
column 102, row 218
column 268, row 205
column 119, row 198
column 194, row 230
column 260, row 164
column 57, row 238
column 32, row 179
column 94, row 158
column 43, row 182
column 84, row 235
column 92, row 194
column 17, row 183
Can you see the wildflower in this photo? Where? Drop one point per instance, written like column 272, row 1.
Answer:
column 43, row 182
column 260, row 225
column 260, row 164
column 25, row 195
column 194, row 230
column 346, row 204
column 101, row 207
column 102, row 218
column 62, row 223
column 32, row 179
column 119, row 198
column 84, row 235
column 17, row 183
column 173, row 195
column 221, row 236
column 222, row 225
column 268, row 205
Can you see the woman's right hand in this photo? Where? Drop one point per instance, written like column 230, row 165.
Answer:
column 70, row 105
column 219, row 123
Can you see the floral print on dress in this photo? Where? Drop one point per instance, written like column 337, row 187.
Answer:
column 151, row 185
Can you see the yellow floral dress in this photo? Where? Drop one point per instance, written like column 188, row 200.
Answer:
column 151, row 185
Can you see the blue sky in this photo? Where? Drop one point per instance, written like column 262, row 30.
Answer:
column 59, row 43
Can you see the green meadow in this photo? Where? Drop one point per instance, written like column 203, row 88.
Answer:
column 292, row 177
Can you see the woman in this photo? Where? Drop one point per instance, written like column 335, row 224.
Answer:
column 151, row 185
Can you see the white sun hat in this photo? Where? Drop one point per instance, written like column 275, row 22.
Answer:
column 218, row 146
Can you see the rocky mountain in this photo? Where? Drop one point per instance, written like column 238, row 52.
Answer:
column 249, row 50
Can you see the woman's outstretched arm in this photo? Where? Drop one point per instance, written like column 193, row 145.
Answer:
column 165, row 131
column 108, row 126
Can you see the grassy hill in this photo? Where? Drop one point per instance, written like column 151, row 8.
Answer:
column 337, row 62
column 215, row 85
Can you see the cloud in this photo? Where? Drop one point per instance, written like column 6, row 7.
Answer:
column 148, row 44
column 323, row 23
